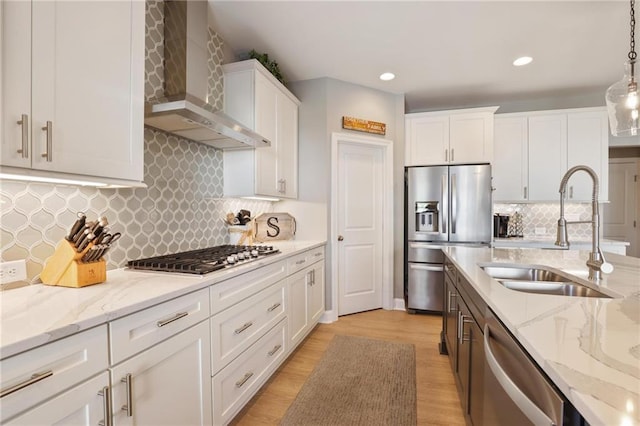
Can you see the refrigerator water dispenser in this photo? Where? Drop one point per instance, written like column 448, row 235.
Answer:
column 427, row 216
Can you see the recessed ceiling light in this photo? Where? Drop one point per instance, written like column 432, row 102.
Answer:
column 524, row 60
column 387, row 76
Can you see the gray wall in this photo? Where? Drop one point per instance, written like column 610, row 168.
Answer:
column 324, row 102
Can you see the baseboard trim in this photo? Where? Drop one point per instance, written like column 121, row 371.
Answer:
column 328, row 317
column 398, row 304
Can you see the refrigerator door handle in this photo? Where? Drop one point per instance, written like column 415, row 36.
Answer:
column 454, row 203
column 423, row 267
column 444, row 200
column 425, row 246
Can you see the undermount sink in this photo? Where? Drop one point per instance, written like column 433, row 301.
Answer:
column 539, row 281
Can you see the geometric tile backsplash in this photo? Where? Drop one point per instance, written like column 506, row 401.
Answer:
column 181, row 208
column 545, row 215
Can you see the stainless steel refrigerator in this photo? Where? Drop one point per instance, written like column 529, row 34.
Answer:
column 444, row 205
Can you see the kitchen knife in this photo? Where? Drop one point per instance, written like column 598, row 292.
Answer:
column 98, row 228
column 84, row 242
column 77, row 226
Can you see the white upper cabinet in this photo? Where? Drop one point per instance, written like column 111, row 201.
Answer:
column 547, row 155
column 510, row 160
column 73, row 87
column 259, row 101
column 449, row 137
column 534, row 150
column 588, row 135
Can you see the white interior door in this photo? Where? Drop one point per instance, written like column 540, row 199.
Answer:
column 621, row 214
column 360, row 227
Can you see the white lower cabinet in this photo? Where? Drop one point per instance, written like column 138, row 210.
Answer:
column 32, row 377
column 196, row 359
column 85, row 404
column 306, row 301
column 238, row 327
column 167, row 384
column 237, row 383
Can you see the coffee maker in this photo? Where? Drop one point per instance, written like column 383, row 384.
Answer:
column 501, row 225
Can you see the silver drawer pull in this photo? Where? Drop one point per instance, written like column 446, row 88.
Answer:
column 24, row 122
column 49, row 130
column 129, row 407
column 172, row 319
column 300, row 262
column 318, row 254
column 272, row 308
column 242, row 381
column 34, row 379
column 275, row 349
column 106, row 406
column 243, row 328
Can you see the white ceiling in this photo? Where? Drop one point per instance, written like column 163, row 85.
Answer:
column 444, row 53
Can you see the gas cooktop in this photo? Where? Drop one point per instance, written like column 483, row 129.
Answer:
column 203, row 261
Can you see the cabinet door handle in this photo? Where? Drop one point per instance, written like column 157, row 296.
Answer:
column 243, row 328
column 446, row 155
column 449, row 302
column 49, row 152
column 242, row 381
column 172, row 319
column 465, row 320
column 300, row 262
column 571, row 191
column 129, row 395
column 452, row 155
column 35, row 378
column 275, row 349
column 24, row 150
column 525, row 192
column 531, row 410
column 106, row 407
column 273, row 307
column 318, row 254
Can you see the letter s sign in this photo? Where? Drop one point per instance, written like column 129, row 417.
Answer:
column 272, row 223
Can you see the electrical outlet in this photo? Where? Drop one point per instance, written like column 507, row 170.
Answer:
column 541, row 230
column 16, row 270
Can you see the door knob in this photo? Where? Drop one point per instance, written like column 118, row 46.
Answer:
column 340, row 238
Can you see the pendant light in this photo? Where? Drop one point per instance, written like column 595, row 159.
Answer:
column 622, row 97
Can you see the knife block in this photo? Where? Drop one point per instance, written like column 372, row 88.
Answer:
column 64, row 268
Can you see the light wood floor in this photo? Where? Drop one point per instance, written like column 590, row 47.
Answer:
column 438, row 402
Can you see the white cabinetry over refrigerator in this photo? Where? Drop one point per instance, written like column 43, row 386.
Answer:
column 73, row 88
column 449, row 137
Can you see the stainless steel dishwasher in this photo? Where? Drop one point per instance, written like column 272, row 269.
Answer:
column 516, row 392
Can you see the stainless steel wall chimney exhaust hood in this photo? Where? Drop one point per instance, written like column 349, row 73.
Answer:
column 185, row 111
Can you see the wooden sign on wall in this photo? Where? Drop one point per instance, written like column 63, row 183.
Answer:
column 361, row 125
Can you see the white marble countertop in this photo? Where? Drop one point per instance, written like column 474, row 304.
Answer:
column 548, row 241
column 37, row 314
column 589, row 347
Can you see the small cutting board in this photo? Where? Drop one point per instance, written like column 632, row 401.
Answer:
column 274, row 227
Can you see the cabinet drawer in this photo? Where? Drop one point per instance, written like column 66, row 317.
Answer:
column 80, row 405
column 237, row 383
column 235, row 329
column 136, row 332
column 302, row 260
column 60, row 365
column 229, row 292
